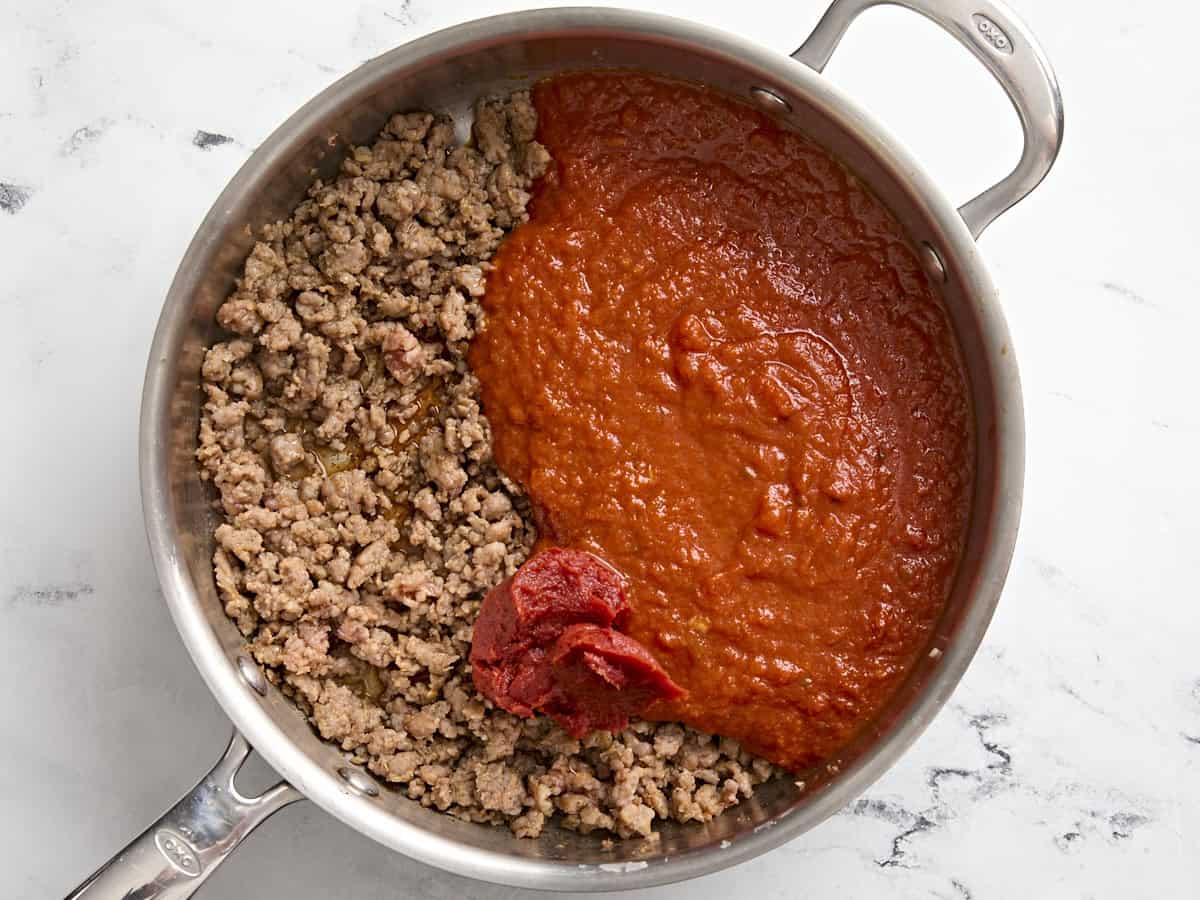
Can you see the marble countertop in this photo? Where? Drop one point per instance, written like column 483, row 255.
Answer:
column 1067, row 764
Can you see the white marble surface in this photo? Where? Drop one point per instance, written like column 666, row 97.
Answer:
column 1067, row 764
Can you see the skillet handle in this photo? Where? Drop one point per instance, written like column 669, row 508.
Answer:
column 175, row 855
column 1001, row 42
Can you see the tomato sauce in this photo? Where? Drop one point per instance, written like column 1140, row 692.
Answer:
column 713, row 360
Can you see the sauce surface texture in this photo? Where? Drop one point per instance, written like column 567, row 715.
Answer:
column 712, row 359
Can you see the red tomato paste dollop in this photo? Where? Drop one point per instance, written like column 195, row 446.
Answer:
column 546, row 641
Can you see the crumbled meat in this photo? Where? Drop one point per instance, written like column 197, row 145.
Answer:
column 287, row 450
column 403, row 354
column 364, row 517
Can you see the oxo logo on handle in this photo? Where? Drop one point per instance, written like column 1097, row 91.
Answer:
column 992, row 34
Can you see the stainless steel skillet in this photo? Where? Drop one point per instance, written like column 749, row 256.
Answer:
column 446, row 71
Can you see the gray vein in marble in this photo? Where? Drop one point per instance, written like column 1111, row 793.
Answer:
column 938, row 773
column 1066, row 841
column 50, row 595
column 1124, row 823
column 1114, row 827
column 41, row 353
column 404, row 16
column 910, row 824
column 920, row 825
column 884, row 810
column 1079, row 698
column 999, row 655
column 990, row 780
column 68, row 53
column 321, row 67
column 1128, row 294
column 84, row 136
column 1108, row 410
column 13, row 197
column 982, row 723
column 368, row 35
column 1053, row 575
column 206, row 140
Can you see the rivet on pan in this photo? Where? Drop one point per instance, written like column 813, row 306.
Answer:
column 252, row 674
column 932, row 261
column 359, row 781
column 769, row 100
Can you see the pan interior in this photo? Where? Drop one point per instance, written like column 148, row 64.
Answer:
column 447, row 74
